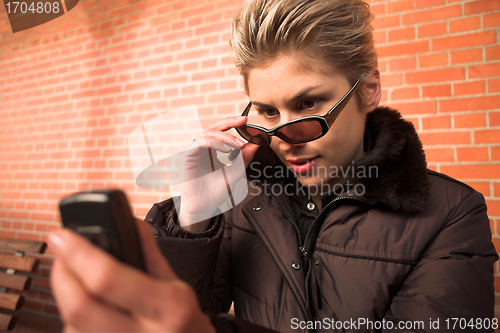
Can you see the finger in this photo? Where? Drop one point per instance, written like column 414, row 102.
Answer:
column 104, row 277
column 77, row 306
column 228, row 123
column 214, row 136
column 248, row 153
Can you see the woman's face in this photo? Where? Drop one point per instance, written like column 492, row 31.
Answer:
column 282, row 90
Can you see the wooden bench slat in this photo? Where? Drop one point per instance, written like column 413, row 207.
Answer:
column 6, row 322
column 14, row 281
column 26, row 264
column 22, row 245
column 10, row 301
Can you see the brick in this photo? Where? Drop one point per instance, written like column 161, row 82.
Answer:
column 487, row 70
column 493, row 207
column 463, row 41
column 470, row 104
column 472, row 171
column 443, row 90
column 110, row 90
column 433, row 60
column 472, row 154
column 190, row 66
column 437, row 75
column 380, row 23
column 494, row 85
column 487, row 136
column 403, row 49
column 196, row 11
column 432, row 29
column 493, row 53
column 469, row 120
column 215, row 74
column 158, row 61
column 491, row 20
column 401, row 34
column 213, row 28
column 411, row 108
column 439, row 155
column 405, row 93
column 378, row 10
column 446, row 138
column 481, row 187
column 466, row 56
column 429, row 3
column 494, row 118
column 399, row 6
column 434, row 14
column 465, row 24
column 481, row 6
column 138, row 86
column 436, row 122
column 495, row 156
column 469, row 88
column 402, row 64
column 379, row 37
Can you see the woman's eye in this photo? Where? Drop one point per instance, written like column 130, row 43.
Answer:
column 269, row 112
column 308, row 103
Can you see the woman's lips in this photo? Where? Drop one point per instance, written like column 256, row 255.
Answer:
column 302, row 165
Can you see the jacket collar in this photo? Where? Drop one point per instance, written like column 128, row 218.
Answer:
column 392, row 146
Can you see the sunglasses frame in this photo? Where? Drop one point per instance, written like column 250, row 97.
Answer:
column 325, row 121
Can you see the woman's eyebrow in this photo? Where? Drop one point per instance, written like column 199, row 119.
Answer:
column 303, row 93
column 293, row 99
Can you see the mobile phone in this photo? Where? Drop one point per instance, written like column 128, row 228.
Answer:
column 104, row 217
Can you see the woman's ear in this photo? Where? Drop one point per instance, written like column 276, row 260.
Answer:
column 373, row 93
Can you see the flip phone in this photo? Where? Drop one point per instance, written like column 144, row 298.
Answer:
column 104, row 217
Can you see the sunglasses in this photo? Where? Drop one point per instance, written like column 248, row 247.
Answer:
column 299, row 130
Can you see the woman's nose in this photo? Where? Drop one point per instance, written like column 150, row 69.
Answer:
column 287, row 147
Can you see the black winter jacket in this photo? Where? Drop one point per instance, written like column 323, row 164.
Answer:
column 413, row 250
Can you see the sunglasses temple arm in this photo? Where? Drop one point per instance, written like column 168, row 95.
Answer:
column 332, row 116
column 247, row 109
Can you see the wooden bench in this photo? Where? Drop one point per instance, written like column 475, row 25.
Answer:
column 12, row 260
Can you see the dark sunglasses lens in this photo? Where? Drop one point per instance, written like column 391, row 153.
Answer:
column 254, row 135
column 301, row 131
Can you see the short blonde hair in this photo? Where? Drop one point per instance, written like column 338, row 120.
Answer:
column 336, row 32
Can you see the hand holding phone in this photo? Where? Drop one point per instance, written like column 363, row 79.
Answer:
column 104, row 217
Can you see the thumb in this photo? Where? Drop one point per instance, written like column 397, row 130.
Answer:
column 156, row 264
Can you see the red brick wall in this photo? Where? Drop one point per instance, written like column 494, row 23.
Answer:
column 73, row 89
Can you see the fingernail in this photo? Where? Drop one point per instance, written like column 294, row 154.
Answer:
column 240, row 142
column 56, row 241
column 241, row 117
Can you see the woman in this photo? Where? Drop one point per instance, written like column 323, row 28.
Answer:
column 344, row 228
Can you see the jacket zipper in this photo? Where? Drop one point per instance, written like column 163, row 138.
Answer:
column 306, row 247
column 301, row 248
column 303, row 252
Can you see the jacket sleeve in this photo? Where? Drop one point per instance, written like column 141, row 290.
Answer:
column 454, row 276
column 197, row 258
column 202, row 260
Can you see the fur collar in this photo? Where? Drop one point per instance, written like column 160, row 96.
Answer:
column 392, row 144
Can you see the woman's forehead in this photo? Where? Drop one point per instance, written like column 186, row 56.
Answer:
column 290, row 75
